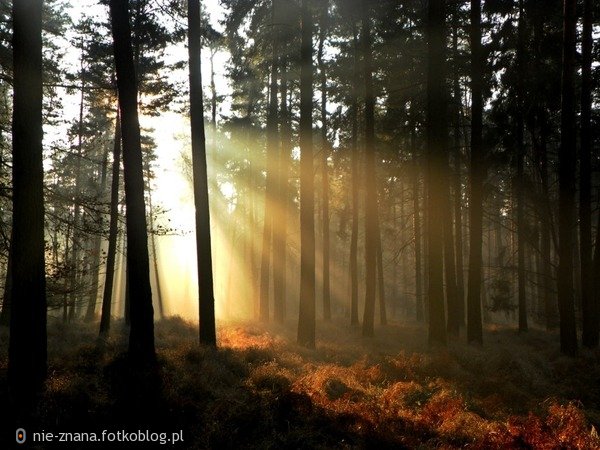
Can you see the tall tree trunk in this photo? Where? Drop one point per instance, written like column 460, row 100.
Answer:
column 457, row 181
column 437, row 155
column 566, row 181
column 589, row 308
column 279, row 252
column 159, row 297
column 380, row 279
column 271, row 183
column 306, row 319
column 419, row 313
column 324, row 165
column 27, row 353
column 7, row 295
column 141, row 337
column 371, row 221
column 520, row 180
column 477, row 175
column 113, row 231
column 453, row 315
column 207, row 330
column 97, row 244
column 355, row 186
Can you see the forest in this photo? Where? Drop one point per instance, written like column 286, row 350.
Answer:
column 285, row 224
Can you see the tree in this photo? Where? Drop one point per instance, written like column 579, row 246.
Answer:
column 477, row 176
column 27, row 363
column 112, row 233
column 306, row 319
column 371, row 225
column 566, row 180
column 589, row 305
column 520, row 179
column 324, row 163
column 355, row 184
column 203, row 240
column 436, row 153
column 271, row 182
column 141, row 337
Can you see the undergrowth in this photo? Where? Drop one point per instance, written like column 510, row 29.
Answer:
column 260, row 390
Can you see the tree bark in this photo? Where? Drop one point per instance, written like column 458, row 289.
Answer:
column 437, row 154
column 355, row 188
column 520, row 180
column 589, row 311
column 306, row 319
column 27, row 353
column 271, row 184
column 112, row 233
column 566, row 180
column 371, row 221
column 141, row 337
column 324, row 166
column 477, row 176
column 279, row 252
column 207, row 332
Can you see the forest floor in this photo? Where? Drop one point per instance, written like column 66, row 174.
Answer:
column 261, row 390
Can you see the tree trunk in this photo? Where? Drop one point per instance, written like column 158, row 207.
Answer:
column 457, row 183
column 419, row 313
column 306, row 319
column 7, row 296
column 141, row 337
column 271, row 184
column 27, row 353
column 520, row 187
column 371, row 221
column 437, row 154
column 589, row 312
column 477, row 175
column 279, row 252
column 566, row 180
column 113, row 231
column 355, row 186
column 207, row 332
column 325, row 166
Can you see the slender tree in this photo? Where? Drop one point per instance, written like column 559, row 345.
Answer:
column 371, row 225
column 520, row 179
column 203, row 240
column 589, row 311
column 436, row 152
column 355, row 185
column 27, row 364
column 271, row 181
column 566, row 180
column 141, row 337
column 112, row 233
column 306, row 319
column 477, row 176
column 324, row 163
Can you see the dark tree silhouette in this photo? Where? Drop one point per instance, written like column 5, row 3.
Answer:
column 477, row 176
column 27, row 364
column 203, row 240
column 590, row 332
column 112, row 233
column 141, row 337
column 371, row 227
column 566, row 180
column 436, row 162
column 306, row 319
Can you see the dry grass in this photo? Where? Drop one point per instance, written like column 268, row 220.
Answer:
column 260, row 390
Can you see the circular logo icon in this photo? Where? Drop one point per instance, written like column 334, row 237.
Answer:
column 20, row 435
